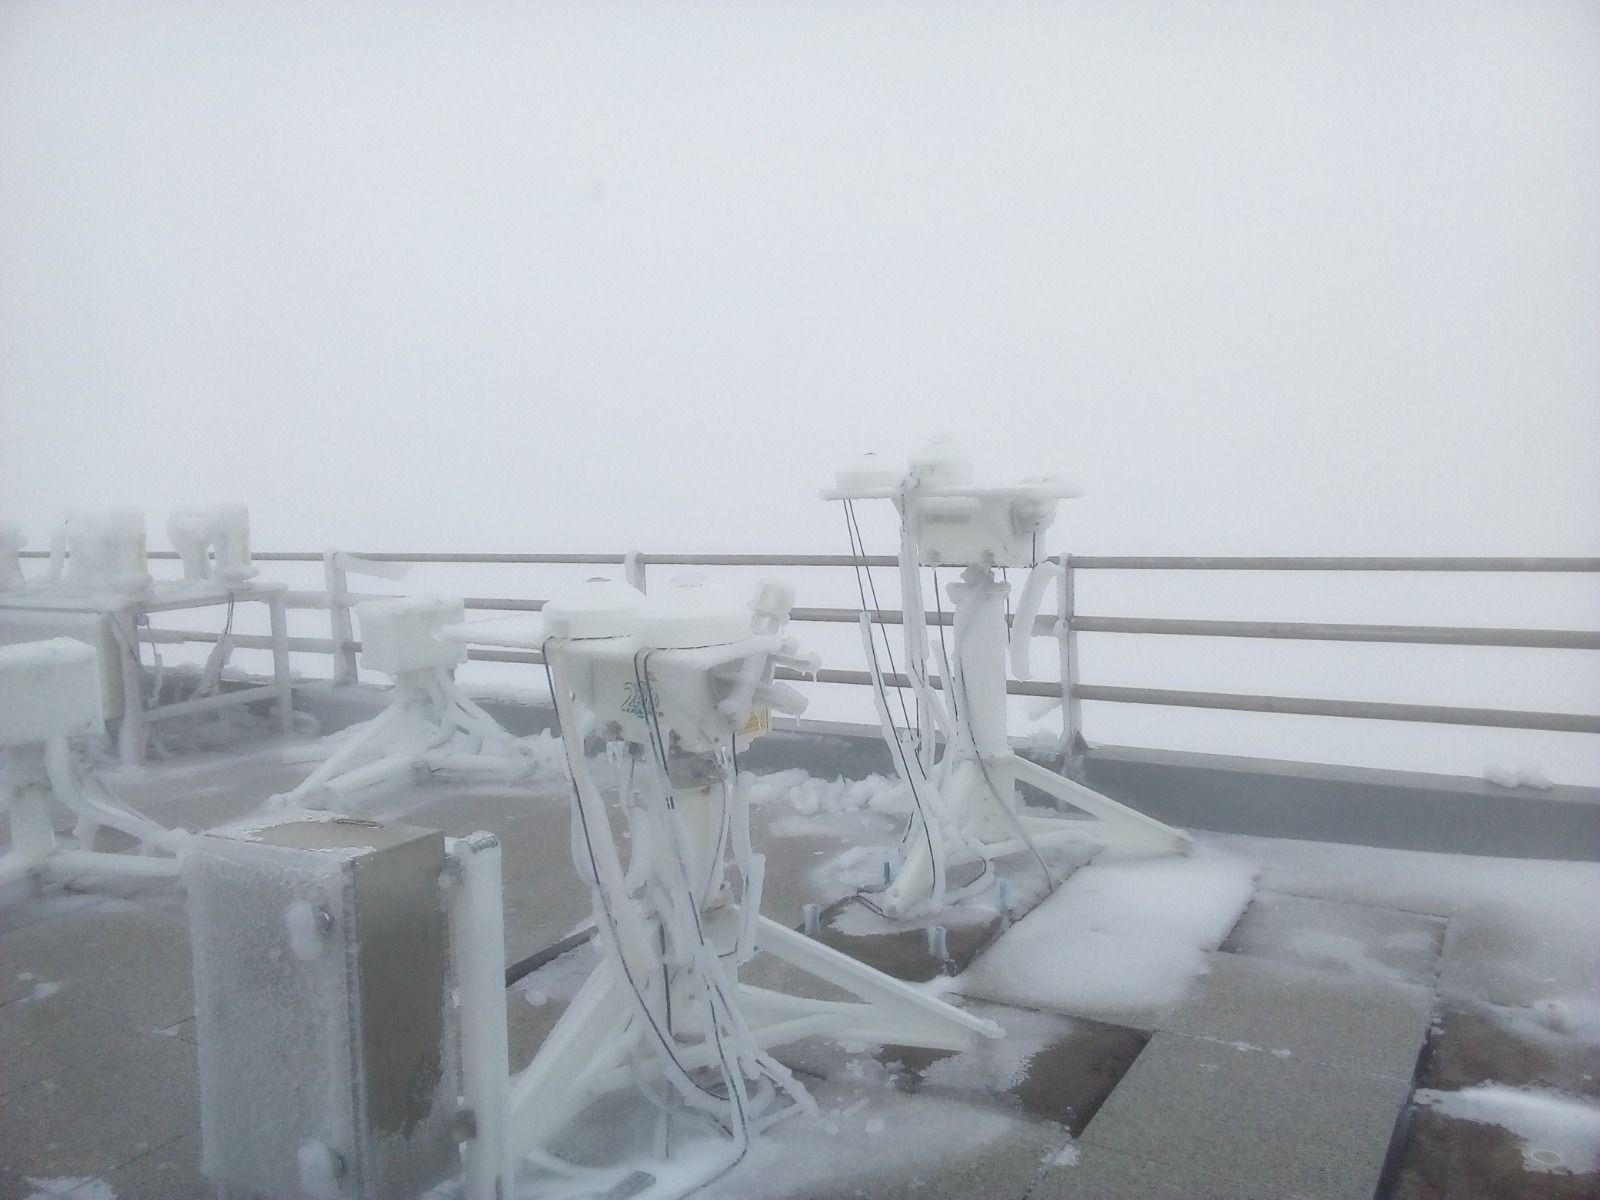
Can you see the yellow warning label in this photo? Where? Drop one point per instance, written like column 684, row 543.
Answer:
column 759, row 722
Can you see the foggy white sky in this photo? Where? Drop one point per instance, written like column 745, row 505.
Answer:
column 1276, row 277
column 1267, row 277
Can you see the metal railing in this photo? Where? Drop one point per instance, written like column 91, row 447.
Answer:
column 337, row 599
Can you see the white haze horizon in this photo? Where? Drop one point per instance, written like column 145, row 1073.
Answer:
column 1290, row 278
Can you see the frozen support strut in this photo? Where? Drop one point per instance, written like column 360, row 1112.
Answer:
column 50, row 694
column 966, row 806
column 676, row 684
column 429, row 724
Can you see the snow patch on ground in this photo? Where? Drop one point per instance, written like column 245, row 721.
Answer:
column 1325, row 949
column 1067, row 1156
column 852, row 1141
column 1558, row 1021
column 1559, row 1133
column 1522, row 930
column 1119, row 936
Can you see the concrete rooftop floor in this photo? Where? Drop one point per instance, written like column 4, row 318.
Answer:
column 1281, row 1072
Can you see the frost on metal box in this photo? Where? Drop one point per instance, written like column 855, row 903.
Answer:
column 327, row 1064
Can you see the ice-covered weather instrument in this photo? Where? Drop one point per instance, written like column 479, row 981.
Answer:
column 213, row 542
column 965, row 799
column 428, row 725
column 100, row 552
column 675, row 683
column 50, row 697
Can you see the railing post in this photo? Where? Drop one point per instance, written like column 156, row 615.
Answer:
column 1072, row 743
column 633, row 570
column 340, row 628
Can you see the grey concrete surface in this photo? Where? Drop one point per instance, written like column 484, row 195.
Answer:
column 97, row 1055
column 1090, row 1172
column 1341, row 938
column 1358, row 1023
column 1272, row 1126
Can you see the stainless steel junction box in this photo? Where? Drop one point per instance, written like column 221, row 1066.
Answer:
column 328, row 1063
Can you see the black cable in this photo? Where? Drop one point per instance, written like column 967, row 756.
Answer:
column 524, row 967
column 944, row 651
column 600, row 891
column 641, row 674
column 858, row 552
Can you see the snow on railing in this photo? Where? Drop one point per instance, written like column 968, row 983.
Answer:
column 337, row 599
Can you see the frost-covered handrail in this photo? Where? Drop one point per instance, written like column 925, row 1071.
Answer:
column 1093, row 562
column 1065, row 625
column 1085, row 562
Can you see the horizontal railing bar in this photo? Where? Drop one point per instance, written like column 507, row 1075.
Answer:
column 479, row 654
column 244, row 641
column 1433, row 714
column 654, row 560
column 1236, row 702
column 503, row 604
column 1088, row 562
column 1420, row 635
column 164, row 712
column 1095, row 562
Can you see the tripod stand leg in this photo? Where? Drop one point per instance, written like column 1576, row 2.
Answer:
column 910, row 1012
column 363, row 741
column 587, row 1041
column 1127, row 825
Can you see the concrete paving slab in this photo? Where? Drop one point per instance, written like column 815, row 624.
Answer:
column 169, row 1172
column 946, row 1150
column 1275, row 1127
column 1338, row 937
column 129, row 959
column 1354, row 1022
column 93, row 1119
column 58, row 1033
column 1499, row 957
column 14, row 985
column 1080, row 1171
column 544, row 898
column 28, row 905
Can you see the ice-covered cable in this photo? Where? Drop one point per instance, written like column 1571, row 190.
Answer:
column 930, row 825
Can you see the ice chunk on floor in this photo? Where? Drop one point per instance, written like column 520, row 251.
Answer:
column 809, row 794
